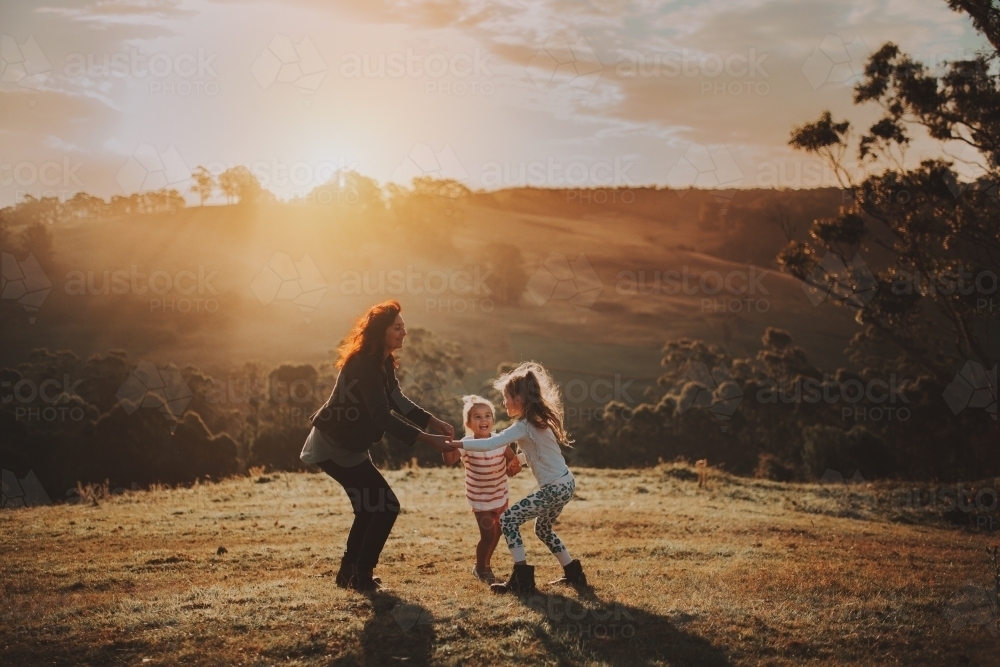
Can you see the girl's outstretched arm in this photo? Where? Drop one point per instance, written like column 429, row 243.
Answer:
column 512, row 433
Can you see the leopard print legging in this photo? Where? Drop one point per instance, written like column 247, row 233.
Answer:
column 543, row 505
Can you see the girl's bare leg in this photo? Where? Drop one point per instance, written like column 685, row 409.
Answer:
column 489, row 535
column 496, row 534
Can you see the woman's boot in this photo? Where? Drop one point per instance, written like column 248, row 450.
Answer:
column 572, row 574
column 522, row 580
column 363, row 581
column 345, row 573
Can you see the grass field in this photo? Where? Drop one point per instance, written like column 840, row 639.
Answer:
column 743, row 572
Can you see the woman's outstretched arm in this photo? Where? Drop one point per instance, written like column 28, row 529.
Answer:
column 413, row 413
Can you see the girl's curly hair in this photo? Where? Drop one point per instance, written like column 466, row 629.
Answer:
column 543, row 406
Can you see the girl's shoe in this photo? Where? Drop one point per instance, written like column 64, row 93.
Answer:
column 522, row 580
column 486, row 575
column 572, row 574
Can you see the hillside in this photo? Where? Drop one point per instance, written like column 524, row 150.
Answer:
column 743, row 572
column 640, row 274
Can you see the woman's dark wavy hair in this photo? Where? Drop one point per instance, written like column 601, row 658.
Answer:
column 368, row 334
column 538, row 391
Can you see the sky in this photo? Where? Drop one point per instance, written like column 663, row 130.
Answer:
column 119, row 96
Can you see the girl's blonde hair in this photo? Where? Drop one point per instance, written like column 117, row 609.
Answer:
column 471, row 401
column 543, row 405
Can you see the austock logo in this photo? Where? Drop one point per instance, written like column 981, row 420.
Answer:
column 573, row 619
column 887, row 397
column 445, row 73
column 558, row 279
column 959, row 188
column 283, row 61
column 148, row 169
column 714, row 389
column 24, row 282
column 423, row 382
column 710, row 167
column 977, row 176
column 27, row 492
column 739, row 288
column 409, row 615
column 852, row 492
column 560, row 63
column 973, row 606
column 851, row 284
column 147, row 387
column 423, row 160
column 60, row 401
column 284, row 279
column 183, row 291
column 973, row 387
column 577, row 392
column 23, row 64
column 835, row 62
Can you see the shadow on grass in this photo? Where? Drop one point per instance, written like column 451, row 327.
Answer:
column 581, row 629
column 398, row 632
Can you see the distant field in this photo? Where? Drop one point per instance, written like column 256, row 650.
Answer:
column 744, row 572
column 226, row 323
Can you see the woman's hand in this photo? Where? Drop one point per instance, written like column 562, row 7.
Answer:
column 439, row 443
column 442, row 427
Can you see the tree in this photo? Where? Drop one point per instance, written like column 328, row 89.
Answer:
column 293, row 393
column 508, row 278
column 240, row 184
column 203, row 184
column 83, row 205
column 37, row 240
column 916, row 254
column 426, row 216
column 347, row 188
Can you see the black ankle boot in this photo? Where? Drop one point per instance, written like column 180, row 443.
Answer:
column 344, row 576
column 572, row 574
column 345, row 573
column 522, row 580
column 363, row 581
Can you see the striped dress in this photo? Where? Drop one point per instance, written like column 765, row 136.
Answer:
column 486, row 479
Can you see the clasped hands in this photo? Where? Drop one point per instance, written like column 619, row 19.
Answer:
column 444, row 441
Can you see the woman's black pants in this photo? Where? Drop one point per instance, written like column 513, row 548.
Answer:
column 375, row 510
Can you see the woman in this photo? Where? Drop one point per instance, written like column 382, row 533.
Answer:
column 355, row 417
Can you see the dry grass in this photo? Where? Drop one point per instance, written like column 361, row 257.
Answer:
column 743, row 572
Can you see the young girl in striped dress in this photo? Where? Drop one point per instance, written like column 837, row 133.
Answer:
column 532, row 400
column 486, row 475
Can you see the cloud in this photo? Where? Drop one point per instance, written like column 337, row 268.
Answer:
column 32, row 118
column 581, row 104
column 781, row 33
column 436, row 14
column 123, row 11
column 60, row 133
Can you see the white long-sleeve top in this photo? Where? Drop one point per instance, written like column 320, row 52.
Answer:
column 539, row 446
